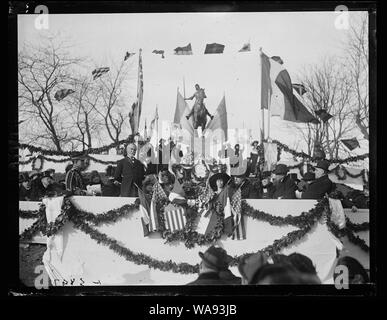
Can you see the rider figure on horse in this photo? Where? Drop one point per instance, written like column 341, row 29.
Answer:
column 199, row 110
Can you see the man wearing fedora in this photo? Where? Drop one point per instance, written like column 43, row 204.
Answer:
column 284, row 185
column 266, row 188
column 74, row 181
column 307, row 178
column 129, row 172
column 214, row 260
column 320, row 186
column 248, row 190
column 41, row 187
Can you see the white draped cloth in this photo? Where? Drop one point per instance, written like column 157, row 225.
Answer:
column 271, row 153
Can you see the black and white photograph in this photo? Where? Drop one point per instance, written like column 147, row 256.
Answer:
column 210, row 148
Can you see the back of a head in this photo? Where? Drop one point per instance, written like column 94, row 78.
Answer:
column 302, row 263
column 356, row 272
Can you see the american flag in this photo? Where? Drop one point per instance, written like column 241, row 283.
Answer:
column 99, row 72
column 239, row 232
column 174, row 217
column 128, row 55
column 135, row 113
column 205, row 196
column 158, row 194
column 63, row 93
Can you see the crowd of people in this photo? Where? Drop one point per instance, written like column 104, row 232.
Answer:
column 130, row 174
column 260, row 269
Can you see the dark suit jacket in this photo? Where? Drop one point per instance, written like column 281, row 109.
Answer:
column 269, row 191
column 229, row 277
column 209, row 278
column 129, row 173
column 318, row 188
column 285, row 189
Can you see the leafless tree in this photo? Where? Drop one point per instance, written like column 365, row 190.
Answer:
column 329, row 89
column 42, row 70
column 113, row 101
column 356, row 63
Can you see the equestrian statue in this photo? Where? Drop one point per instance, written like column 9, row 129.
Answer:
column 199, row 110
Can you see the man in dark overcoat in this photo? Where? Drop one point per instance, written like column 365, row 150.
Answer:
column 284, row 185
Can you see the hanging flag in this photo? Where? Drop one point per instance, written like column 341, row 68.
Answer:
column 153, row 130
column 99, row 72
column 187, row 50
column 300, row 89
column 351, row 144
column 181, row 111
column 220, row 119
column 239, row 230
column 144, row 208
column 277, row 59
column 135, row 113
column 224, row 199
column 266, row 89
column 159, row 52
column 323, row 115
column 283, row 102
column 214, row 48
column 128, row 55
column 63, row 93
column 204, row 210
column 246, row 47
column 145, row 134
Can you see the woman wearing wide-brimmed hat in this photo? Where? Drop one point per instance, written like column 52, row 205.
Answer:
column 218, row 181
column 254, row 157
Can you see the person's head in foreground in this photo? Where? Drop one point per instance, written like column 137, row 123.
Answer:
column 321, row 168
column 214, row 259
column 356, row 272
column 302, row 263
column 46, row 179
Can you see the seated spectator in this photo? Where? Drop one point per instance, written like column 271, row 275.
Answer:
column 266, row 188
column 302, row 263
column 214, row 259
column 356, row 272
column 51, row 172
column 74, row 181
column 319, row 187
column 306, row 180
column 25, row 187
column 110, row 189
column 39, row 187
column 284, row 186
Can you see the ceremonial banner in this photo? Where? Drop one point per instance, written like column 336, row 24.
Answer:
column 99, row 72
column 214, row 48
column 271, row 154
column 135, row 113
column 174, row 217
column 181, row 111
column 187, row 50
column 61, row 94
column 220, row 119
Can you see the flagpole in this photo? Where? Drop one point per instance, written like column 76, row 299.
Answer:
column 157, row 137
column 262, row 112
column 184, row 87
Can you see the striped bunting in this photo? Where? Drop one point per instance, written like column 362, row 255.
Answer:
column 174, row 217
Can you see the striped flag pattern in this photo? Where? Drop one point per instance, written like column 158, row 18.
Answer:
column 239, row 232
column 99, row 72
column 174, row 218
column 158, row 194
column 144, row 209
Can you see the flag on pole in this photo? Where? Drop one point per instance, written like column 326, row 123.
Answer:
column 144, row 208
column 220, row 118
column 351, row 144
column 187, row 50
column 63, row 93
column 204, row 210
column 246, row 47
column 96, row 73
column 300, row 89
column 323, row 115
column 145, row 135
column 128, row 55
column 135, row 113
column 214, row 48
column 159, row 52
column 174, row 217
column 181, row 111
column 224, row 199
column 158, row 194
column 153, row 129
column 277, row 91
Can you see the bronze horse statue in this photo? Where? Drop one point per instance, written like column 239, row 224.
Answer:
column 199, row 110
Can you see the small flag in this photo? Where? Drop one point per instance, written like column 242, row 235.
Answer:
column 239, row 232
column 128, row 55
column 277, row 59
column 214, row 48
column 61, row 94
column 144, row 209
column 159, row 52
column 246, row 47
column 174, row 217
column 158, row 194
column 187, row 50
column 351, row 144
column 299, row 88
column 99, row 72
column 323, row 115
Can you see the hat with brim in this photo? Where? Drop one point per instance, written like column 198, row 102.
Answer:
column 281, row 169
column 322, row 164
column 220, row 175
column 46, row 174
column 33, row 173
column 266, row 174
column 23, row 177
column 249, row 265
column 309, row 176
column 216, row 257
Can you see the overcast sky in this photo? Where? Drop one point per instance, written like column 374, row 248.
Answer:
column 299, row 38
